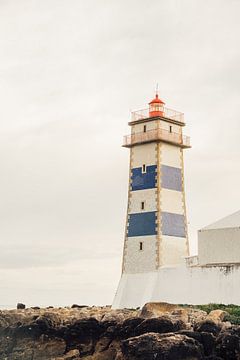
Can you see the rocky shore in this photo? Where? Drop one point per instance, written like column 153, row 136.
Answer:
column 159, row 331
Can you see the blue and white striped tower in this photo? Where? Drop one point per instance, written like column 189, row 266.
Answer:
column 156, row 229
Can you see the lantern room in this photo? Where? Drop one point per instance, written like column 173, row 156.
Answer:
column 156, row 107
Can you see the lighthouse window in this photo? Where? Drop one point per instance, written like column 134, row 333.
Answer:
column 142, row 205
column 144, row 128
column 144, row 168
column 170, row 128
column 140, row 246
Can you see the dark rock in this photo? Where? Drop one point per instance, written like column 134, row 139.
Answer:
column 235, row 330
column 206, row 339
column 32, row 331
column 228, row 346
column 6, row 345
column 108, row 323
column 82, row 335
column 103, row 344
column 158, row 325
column 128, row 328
column 207, row 326
column 45, row 324
column 35, row 307
column 113, row 332
column 103, row 334
column 21, row 306
column 76, row 306
column 179, row 325
column 154, row 346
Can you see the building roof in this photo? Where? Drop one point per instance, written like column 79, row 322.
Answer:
column 156, row 100
column 230, row 221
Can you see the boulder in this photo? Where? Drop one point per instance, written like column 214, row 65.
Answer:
column 119, row 315
column 228, row 346
column 154, row 346
column 82, row 335
column 226, row 325
column 208, row 326
column 158, row 325
column 217, row 315
column 129, row 326
column 206, row 339
column 180, row 314
column 196, row 315
column 76, row 306
column 155, row 309
column 176, row 312
column 21, row 306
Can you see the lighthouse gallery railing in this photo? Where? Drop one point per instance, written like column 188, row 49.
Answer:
column 158, row 134
column 167, row 113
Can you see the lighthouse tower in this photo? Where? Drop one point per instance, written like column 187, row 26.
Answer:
column 156, row 227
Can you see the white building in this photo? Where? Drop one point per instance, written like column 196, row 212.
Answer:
column 156, row 262
column 219, row 243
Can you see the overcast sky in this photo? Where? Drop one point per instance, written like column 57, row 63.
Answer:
column 70, row 73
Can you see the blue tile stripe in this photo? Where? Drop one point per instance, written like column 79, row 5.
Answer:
column 171, row 178
column 173, row 224
column 142, row 224
column 141, row 181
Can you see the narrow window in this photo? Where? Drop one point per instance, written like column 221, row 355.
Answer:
column 140, row 246
column 144, row 168
column 144, row 128
column 170, row 128
column 142, row 205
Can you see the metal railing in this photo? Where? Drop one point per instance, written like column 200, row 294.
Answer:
column 158, row 134
column 168, row 113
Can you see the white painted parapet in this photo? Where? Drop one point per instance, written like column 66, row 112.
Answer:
column 180, row 285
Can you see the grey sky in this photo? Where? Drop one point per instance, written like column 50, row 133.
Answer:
column 70, row 72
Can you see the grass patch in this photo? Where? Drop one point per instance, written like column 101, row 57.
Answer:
column 232, row 310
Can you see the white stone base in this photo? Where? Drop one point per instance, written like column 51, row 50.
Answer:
column 180, row 285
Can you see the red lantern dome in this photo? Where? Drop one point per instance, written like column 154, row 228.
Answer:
column 156, row 107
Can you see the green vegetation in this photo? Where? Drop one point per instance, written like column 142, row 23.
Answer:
column 232, row 310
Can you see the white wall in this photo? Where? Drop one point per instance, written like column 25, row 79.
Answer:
column 173, row 250
column 144, row 154
column 170, row 155
column 139, row 128
column 141, row 260
column 180, row 285
column 165, row 125
column 172, row 201
column 219, row 246
column 146, row 259
column 148, row 196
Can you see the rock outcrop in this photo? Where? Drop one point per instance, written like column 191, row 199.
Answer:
column 157, row 332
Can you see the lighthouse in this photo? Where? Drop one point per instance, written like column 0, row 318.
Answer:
column 156, row 233
column 156, row 264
